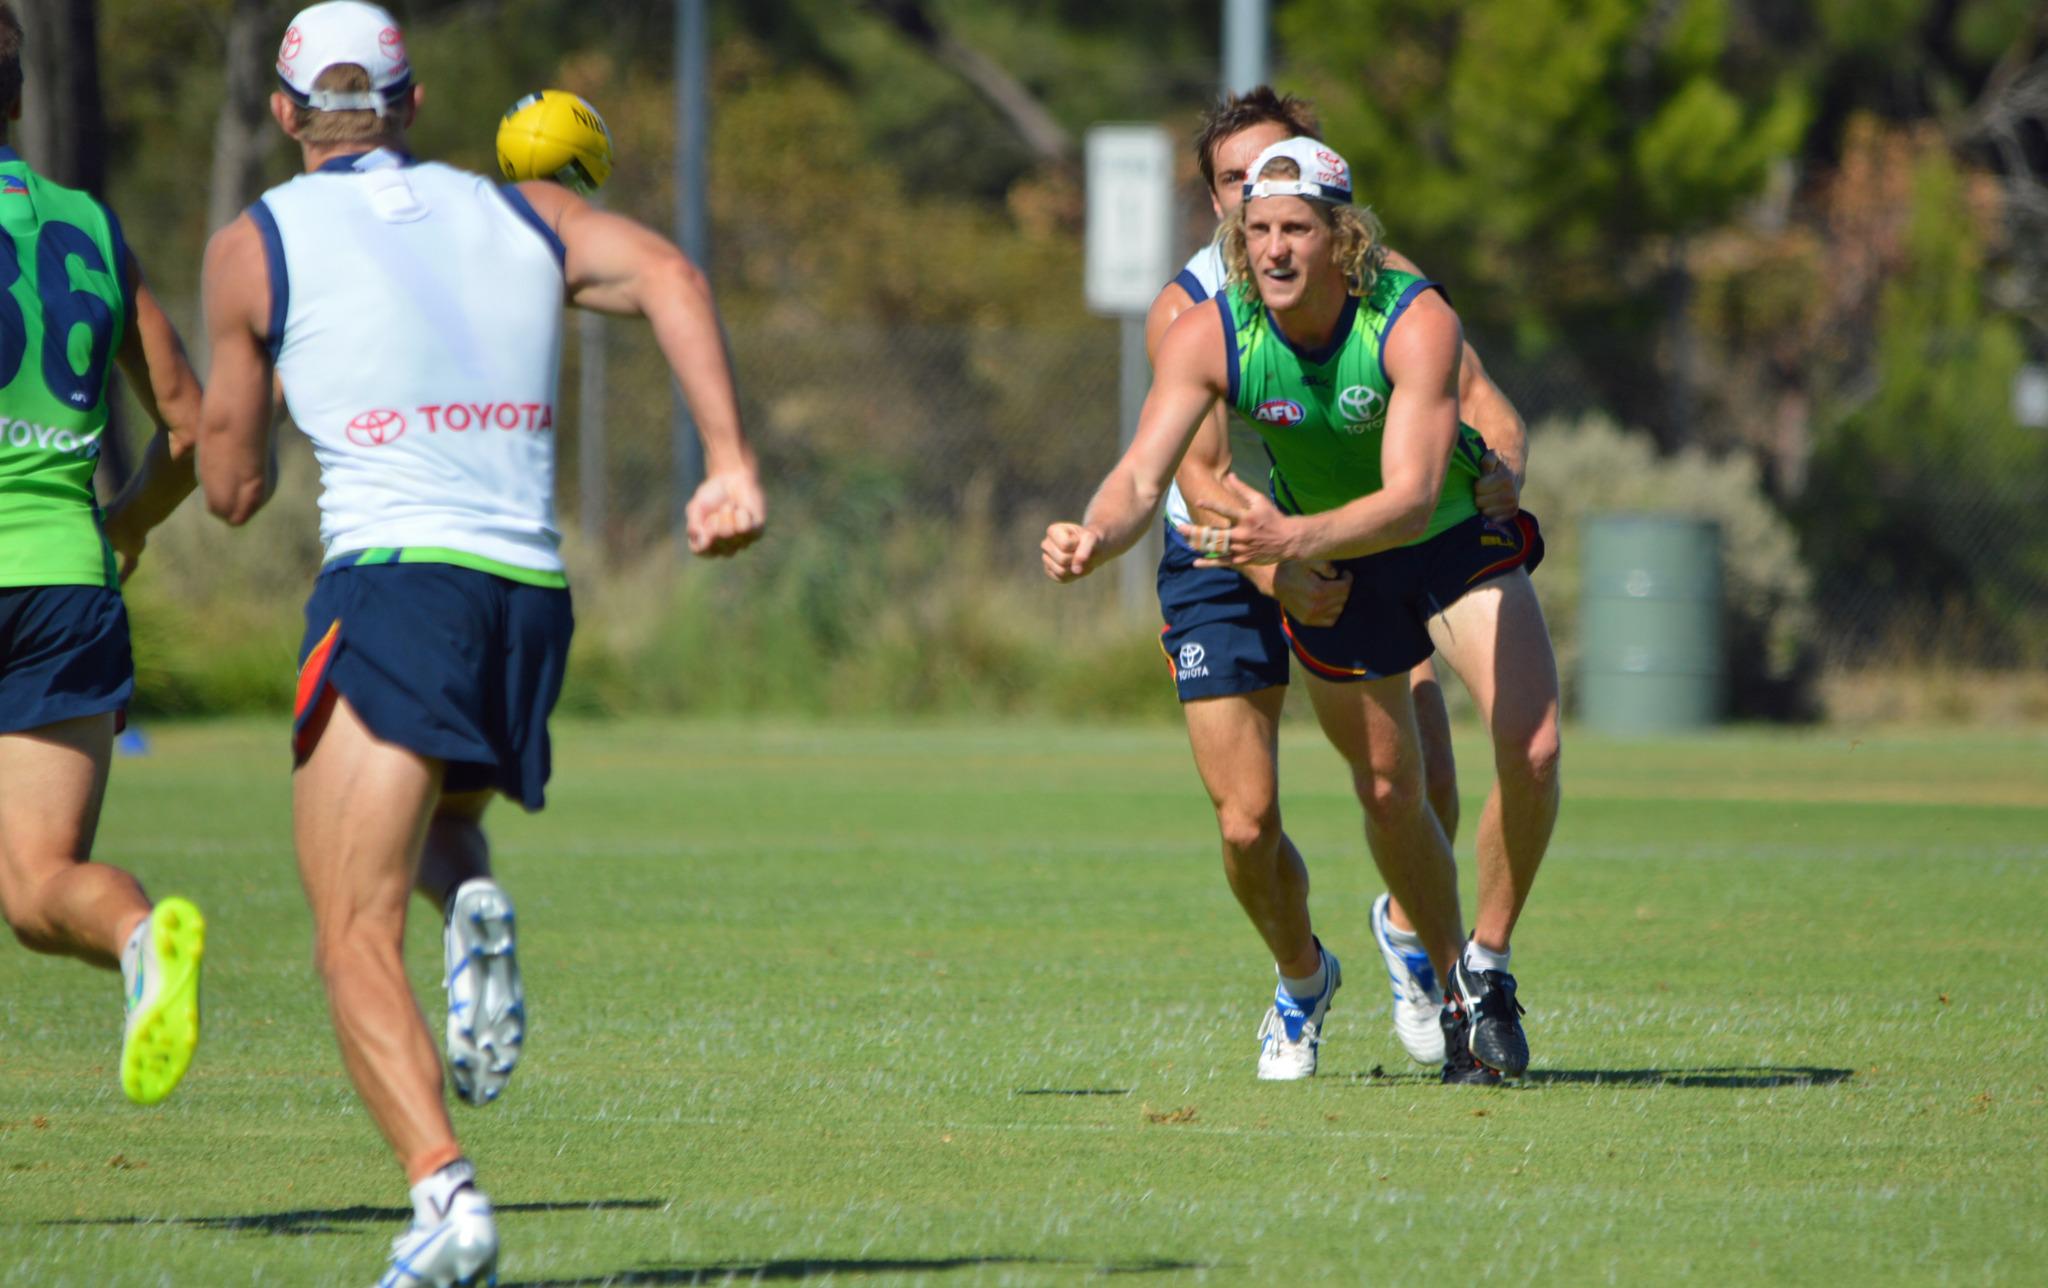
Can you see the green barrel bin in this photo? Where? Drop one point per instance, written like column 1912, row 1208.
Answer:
column 1650, row 624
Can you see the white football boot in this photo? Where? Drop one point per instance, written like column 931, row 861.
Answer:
column 1418, row 997
column 486, row 1002
column 1292, row 1032
column 453, row 1239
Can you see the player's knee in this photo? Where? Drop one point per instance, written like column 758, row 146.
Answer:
column 1248, row 833
column 22, row 906
column 342, row 946
column 1391, row 797
column 1534, row 760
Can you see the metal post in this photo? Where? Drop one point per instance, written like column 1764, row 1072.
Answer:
column 1244, row 45
column 693, row 228
column 590, row 453
column 1139, row 568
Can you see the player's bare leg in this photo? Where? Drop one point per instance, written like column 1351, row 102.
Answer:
column 1496, row 640
column 57, row 900
column 1417, row 989
column 360, row 809
column 1494, row 637
column 486, row 1026
column 456, row 848
column 1236, row 741
column 1372, row 725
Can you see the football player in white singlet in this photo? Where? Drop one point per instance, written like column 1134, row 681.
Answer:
column 411, row 314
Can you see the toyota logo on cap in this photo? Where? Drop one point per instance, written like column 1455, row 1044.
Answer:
column 376, row 428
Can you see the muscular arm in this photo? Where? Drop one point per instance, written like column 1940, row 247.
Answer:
column 153, row 359
column 237, row 414
column 1207, row 461
column 1422, row 358
column 1188, row 378
column 618, row 266
column 1481, row 404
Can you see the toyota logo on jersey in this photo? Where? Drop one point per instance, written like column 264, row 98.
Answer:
column 376, row 428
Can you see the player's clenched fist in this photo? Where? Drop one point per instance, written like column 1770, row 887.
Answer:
column 1069, row 551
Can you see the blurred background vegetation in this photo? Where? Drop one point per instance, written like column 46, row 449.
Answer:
column 1784, row 264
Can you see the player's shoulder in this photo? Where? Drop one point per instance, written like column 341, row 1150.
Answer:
column 1200, row 280
column 53, row 200
column 1195, row 336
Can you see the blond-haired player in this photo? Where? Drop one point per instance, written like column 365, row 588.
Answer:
column 1227, row 643
column 1349, row 369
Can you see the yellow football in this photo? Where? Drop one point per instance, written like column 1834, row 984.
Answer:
column 557, row 136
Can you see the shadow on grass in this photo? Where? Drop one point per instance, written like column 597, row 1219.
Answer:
column 1737, row 1078
column 1072, row 1091
column 330, row 1220
column 804, row 1268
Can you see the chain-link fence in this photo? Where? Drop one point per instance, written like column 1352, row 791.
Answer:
column 863, row 426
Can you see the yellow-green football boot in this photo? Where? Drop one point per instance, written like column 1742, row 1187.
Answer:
column 163, row 1001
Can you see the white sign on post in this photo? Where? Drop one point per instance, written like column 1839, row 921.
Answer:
column 1130, row 217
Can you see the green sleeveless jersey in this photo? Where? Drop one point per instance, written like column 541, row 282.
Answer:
column 1322, row 415
column 62, row 309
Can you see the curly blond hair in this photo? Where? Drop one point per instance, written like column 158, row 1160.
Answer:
column 1360, row 243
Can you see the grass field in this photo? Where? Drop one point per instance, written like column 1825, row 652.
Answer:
column 973, row 1005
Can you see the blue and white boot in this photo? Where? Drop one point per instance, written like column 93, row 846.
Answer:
column 1418, row 998
column 1292, row 1031
column 486, row 1000
column 453, row 1239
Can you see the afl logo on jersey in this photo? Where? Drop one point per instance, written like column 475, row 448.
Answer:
column 376, row 428
column 1280, row 411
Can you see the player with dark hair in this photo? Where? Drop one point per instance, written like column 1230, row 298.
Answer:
column 74, row 306
column 1225, row 640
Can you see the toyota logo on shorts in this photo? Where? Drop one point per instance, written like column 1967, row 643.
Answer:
column 376, row 428
column 1191, row 656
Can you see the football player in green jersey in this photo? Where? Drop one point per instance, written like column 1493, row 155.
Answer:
column 73, row 303
column 1232, row 698
column 1350, row 373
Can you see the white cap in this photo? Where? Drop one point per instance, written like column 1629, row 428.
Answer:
column 1325, row 176
column 344, row 31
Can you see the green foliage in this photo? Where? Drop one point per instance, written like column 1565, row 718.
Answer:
column 1592, row 466
column 1928, row 491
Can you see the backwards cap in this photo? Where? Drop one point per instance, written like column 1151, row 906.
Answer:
column 1324, row 175
column 344, row 31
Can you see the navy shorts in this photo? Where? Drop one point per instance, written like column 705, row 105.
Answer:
column 454, row 664
column 1222, row 637
column 63, row 654
column 1384, row 629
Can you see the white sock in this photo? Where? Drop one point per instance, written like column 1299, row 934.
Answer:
column 131, row 958
column 431, row 1197
column 1400, row 938
column 1309, row 987
column 1478, row 958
